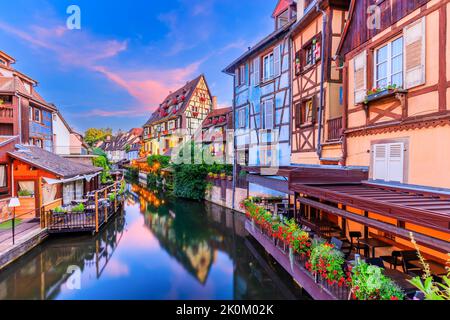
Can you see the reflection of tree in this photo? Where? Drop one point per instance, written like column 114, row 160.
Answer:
column 41, row 273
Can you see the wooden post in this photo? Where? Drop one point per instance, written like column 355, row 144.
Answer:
column 115, row 198
column 106, row 208
column 96, row 211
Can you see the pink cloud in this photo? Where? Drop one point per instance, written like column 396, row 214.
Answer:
column 148, row 86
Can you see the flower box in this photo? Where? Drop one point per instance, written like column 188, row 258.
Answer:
column 174, row 101
column 174, row 111
column 381, row 94
column 195, row 114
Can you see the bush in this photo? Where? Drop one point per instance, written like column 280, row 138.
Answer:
column 59, row 210
column 190, row 181
column 102, row 162
column 369, row 283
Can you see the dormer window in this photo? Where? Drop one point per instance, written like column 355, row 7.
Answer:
column 283, row 19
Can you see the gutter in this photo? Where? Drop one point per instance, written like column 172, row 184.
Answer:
column 322, row 80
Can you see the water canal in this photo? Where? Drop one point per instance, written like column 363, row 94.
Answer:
column 157, row 248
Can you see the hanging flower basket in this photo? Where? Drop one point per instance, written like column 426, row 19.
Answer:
column 174, row 101
column 195, row 114
column 222, row 119
column 182, row 98
column 174, row 111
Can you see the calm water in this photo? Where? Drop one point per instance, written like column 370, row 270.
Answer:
column 156, row 249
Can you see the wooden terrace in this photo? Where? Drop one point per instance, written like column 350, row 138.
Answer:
column 99, row 207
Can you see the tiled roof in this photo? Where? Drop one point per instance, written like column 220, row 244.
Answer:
column 119, row 142
column 215, row 113
column 51, row 162
column 186, row 92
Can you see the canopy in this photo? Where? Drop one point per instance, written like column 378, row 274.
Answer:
column 88, row 178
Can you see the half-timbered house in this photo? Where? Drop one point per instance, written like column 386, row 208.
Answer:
column 262, row 97
column 178, row 118
column 317, row 89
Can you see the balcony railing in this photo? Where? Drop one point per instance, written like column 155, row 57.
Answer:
column 334, row 129
column 6, row 111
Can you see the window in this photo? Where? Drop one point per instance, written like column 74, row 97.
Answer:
column 242, row 75
column 268, row 67
column 282, row 19
column 37, row 115
column 388, row 162
column 242, row 118
column 3, row 176
column 31, row 114
column 389, row 64
column 312, row 54
column 3, row 62
column 172, row 125
column 306, row 112
column 267, row 120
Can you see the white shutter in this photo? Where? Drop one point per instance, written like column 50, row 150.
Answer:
column 395, row 162
column 277, row 61
column 360, row 77
column 414, row 43
column 380, row 162
column 256, row 71
column 236, row 77
column 268, row 114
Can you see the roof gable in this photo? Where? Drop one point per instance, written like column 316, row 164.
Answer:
column 282, row 6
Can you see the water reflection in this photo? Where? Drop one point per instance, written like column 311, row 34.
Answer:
column 159, row 248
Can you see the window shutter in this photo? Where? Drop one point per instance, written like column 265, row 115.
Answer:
column 380, row 162
column 256, row 71
column 298, row 115
column 414, row 54
column 315, row 108
column 236, row 77
column 268, row 114
column 277, row 61
column 360, row 75
column 395, row 162
column 247, row 74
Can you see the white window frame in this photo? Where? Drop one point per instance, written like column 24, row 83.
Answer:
column 264, row 105
column 242, row 75
column 390, row 58
column 271, row 65
column 242, row 121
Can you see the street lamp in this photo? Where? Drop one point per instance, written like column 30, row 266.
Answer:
column 13, row 203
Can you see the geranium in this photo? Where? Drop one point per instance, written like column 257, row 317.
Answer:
column 328, row 263
column 369, row 283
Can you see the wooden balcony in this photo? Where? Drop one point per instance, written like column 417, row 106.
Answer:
column 334, row 129
column 6, row 111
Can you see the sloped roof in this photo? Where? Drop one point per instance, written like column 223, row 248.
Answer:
column 186, row 91
column 119, row 142
column 282, row 5
column 51, row 162
column 216, row 113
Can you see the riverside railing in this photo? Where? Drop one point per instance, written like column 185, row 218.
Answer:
column 17, row 225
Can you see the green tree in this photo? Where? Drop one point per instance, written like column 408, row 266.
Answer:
column 102, row 162
column 94, row 135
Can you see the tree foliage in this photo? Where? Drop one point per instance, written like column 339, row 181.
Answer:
column 102, row 162
column 94, row 135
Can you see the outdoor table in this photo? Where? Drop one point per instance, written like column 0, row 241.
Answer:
column 401, row 279
column 374, row 243
column 435, row 268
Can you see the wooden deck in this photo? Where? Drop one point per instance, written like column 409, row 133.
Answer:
column 92, row 219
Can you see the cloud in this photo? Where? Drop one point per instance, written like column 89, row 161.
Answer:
column 147, row 85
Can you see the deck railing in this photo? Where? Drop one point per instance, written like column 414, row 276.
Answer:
column 334, row 129
column 6, row 111
column 97, row 213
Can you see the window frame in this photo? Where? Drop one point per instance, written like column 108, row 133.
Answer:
column 390, row 57
column 271, row 66
column 242, row 114
column 242, row 75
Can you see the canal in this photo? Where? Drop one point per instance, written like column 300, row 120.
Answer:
column 157, row 248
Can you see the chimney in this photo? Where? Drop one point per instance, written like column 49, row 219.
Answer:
column 300, row 9
column 214, row 103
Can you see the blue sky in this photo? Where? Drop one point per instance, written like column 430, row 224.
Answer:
column 128, row 54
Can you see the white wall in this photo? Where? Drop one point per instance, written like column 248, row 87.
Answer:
column 62, row 138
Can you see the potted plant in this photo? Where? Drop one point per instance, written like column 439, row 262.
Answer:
column 223, row 176
column 59, row 210
column 195, row 114
column 78, row 208
column 24, row 193
column 379, row 92
column 230, row 178
column 327, row 263
column 369, row 283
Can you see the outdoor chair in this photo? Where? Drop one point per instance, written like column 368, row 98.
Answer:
column 394, row 260
column 376, row 262
column 408, row 257
column 356, row 245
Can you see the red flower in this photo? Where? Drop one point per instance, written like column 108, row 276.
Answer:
column 394, row 298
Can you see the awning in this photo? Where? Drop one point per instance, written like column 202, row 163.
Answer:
column 88, row 178
column 423, row 208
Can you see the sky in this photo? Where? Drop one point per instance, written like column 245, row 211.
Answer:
column 128, row 55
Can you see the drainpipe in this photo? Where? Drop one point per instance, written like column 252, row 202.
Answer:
column 322, row 80
column 234, row 145
column 19, row 110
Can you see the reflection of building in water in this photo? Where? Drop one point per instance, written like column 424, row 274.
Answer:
column 196, row 257
column 43, row 273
